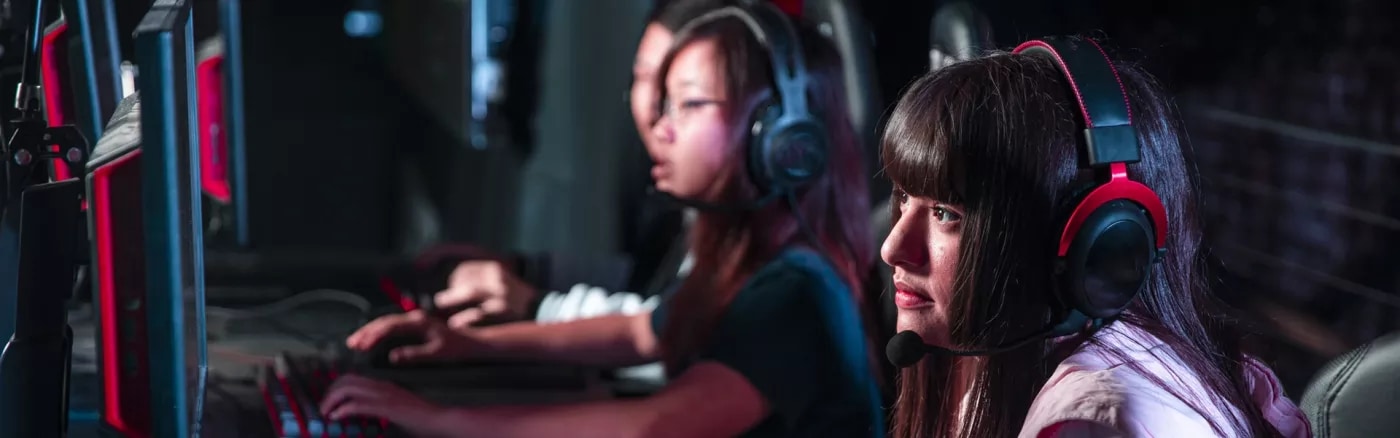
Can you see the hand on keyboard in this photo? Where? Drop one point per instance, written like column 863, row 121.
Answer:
column 353, row 396
column 436, row 341
column 485, row 291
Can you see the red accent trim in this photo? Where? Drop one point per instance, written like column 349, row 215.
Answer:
column 53, row 88
column 345, row 430
column 120, row 407
column 213, row 140
column 1128, row 106
column 1117, row 187
column 271, row 409
column 790, row 7
column 392, row 290
column 296, row 407
column 1088, row 121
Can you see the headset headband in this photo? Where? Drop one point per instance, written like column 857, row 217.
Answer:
column 776, row 33
column 1103, row 101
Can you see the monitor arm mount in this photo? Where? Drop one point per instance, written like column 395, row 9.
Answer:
column 43, row 246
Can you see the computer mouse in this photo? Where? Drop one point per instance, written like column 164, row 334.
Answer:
column 378, row 355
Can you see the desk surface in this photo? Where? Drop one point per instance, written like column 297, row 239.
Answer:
column 234, row 405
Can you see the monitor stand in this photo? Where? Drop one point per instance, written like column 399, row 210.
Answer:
column 43, row 233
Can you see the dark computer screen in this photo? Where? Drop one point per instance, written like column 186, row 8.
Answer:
column 218, row 83
column 115, row 221
column 173, row 226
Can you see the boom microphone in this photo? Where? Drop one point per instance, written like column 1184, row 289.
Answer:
column 907, row 348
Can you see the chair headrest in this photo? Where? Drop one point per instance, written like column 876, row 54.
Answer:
column 1355, row 395
column 123, row 132
column 958, row 32
column 843, row 23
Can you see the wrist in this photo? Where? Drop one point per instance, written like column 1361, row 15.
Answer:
column 450, row 421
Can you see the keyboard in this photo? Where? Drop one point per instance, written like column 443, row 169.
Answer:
column 293, row 386
column 292, row 389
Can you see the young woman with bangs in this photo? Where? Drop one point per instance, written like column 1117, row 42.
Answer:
column 987, row 157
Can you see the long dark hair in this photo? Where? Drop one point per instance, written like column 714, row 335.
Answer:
column 729, row 247
column 999, row 136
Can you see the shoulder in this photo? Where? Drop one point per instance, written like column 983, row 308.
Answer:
column 1110, row 400
column 1093, row 392
column 797, row 270
column 797, row 281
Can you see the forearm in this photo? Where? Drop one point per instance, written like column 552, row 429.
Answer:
column 707, row 400
column 610, row 341
column 605, row 419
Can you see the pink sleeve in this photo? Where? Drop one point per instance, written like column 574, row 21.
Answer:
column 1078, row 429
column 1104, row 404
column 1278, row 410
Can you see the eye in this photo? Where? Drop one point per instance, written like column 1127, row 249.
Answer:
column 944, row 215
column 900, row 196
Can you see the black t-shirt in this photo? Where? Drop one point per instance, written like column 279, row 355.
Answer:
column 795, row 333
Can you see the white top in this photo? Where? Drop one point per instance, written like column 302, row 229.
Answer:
column 1092, row 394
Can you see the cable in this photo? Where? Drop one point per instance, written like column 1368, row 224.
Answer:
column 287, row 304
column 218, row 319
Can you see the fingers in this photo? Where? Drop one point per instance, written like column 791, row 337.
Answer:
column 355, row 390
column 472, row 282
column 415, row 353
column 384, row 326
column 458, row 296
column 466, row 318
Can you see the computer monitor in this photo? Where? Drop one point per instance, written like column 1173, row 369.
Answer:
column 115, row 219
column 148, row 242
column 81, row 70
column 219, row 85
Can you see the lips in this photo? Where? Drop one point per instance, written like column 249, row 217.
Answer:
column 907, row 297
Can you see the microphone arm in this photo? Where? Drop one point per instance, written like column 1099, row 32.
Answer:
column 28, row 92
column 907, row 348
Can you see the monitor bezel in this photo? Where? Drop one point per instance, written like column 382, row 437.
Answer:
column 172, row 224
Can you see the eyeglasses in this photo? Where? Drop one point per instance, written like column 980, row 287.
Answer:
column 684, row 108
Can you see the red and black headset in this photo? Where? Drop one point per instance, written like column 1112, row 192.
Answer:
column 1117, row 228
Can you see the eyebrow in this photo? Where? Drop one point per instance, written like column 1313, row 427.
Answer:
column 688, row 83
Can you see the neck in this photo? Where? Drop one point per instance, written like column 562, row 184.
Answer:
column 961, row 385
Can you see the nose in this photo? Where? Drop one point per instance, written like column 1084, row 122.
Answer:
column 906, row 247
column 664, row 130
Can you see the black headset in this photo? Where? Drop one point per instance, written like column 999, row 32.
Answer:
column 1117, row 228
column 787, row 144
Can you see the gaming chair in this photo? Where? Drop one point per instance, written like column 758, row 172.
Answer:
column 1355, row 394
column 843, row 23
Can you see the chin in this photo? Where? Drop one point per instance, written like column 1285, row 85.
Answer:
column 922, row 321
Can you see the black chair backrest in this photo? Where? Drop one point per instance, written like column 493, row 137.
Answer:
column 1356, row 395
column 842, row 21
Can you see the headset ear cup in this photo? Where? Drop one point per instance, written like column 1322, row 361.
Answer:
column 1109, row 260
column 760, row 146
